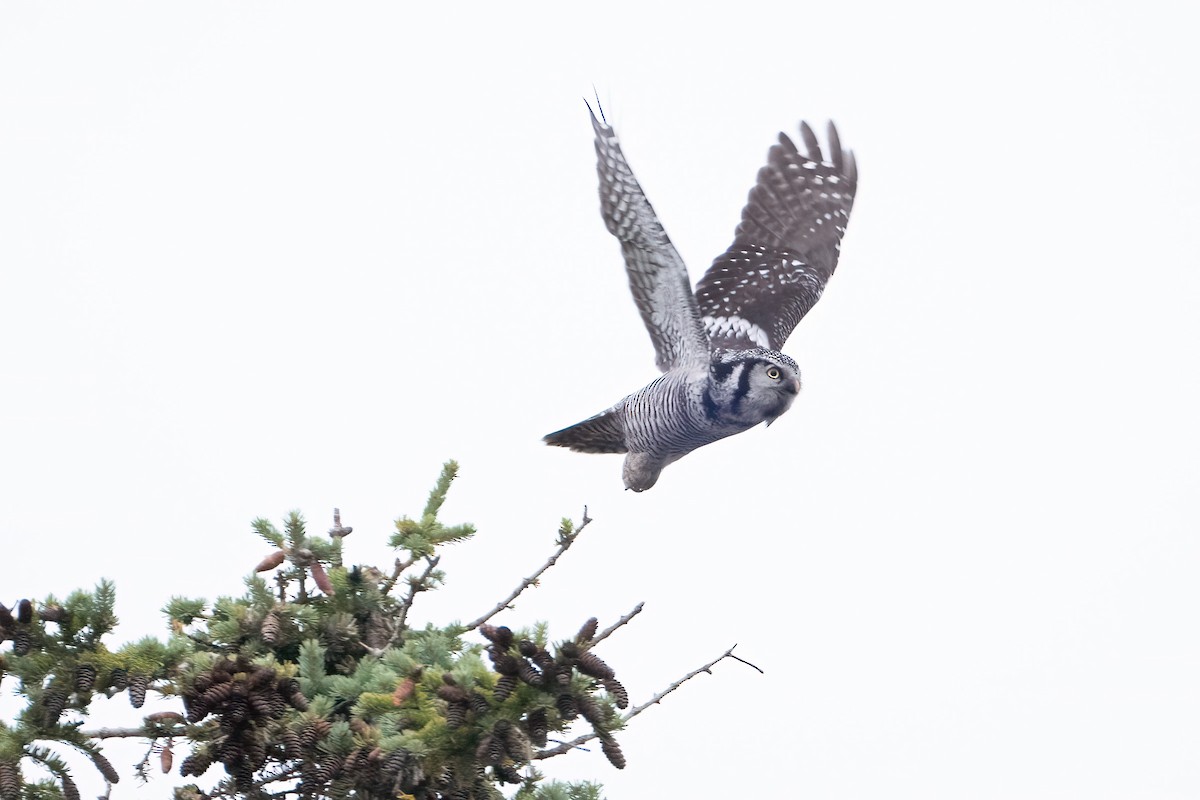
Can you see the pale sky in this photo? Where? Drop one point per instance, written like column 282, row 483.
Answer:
column 265, row 256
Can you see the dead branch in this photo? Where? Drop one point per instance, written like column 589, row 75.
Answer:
column 566, row 537
column 587, row 737
column 604, row 634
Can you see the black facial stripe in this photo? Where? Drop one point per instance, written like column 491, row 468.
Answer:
column 721, row 370
column 743, row 388
column 710, row 407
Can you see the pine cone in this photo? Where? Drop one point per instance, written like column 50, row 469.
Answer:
column 53, row 613
column 10, row 781
column 507, row 774
column 590, row 664
column 395, row 761
column 270, row 628
column 453, row 694
column 616, row 690
column 529, row 673
column 24, row 612
column 479, row 703
column 216, row 697
column 138, row 684
column 54, row 702
column 587, row 631
column 105, row 766
column 196, row 764
column 484, row 749
column 243, row 776
column 592, row 711
column 260, row 704
column 612, row 751
column 313, row 731
column 291, row 744
column 545, row 662
column 195, row 709
column 404, row 690
column 516, row 743
column 271, row 562
column 456, row 715
column 496, row 749
column 505, row 664
column 527, row 648
column 504, row 687
column 566, row 705
column 535, row 725
column 118, row 679
column 231, row 753
column 166, row 758
column 321, row 578
column 500, row 635
column 256, row 753
column 328, row 769
column 69, row 789
column 22, row 642
column 277, row 706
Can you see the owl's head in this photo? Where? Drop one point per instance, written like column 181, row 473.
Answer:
column 751, row 386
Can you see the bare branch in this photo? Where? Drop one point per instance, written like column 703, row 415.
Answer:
column 414, row 586
column 604, row 634
column 145, row 732
column 566, row 537
column 566, row 747
column 386, row 586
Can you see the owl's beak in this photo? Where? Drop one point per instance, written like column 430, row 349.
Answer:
column 794, row 387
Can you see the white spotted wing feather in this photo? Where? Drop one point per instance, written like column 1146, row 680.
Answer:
column 785, row 248
column 658, row 277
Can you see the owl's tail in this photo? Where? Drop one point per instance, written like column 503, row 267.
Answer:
column 603, row 433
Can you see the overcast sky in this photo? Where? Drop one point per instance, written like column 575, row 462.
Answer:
column 265, row 256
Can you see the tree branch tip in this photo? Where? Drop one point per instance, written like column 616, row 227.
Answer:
column 729, row 654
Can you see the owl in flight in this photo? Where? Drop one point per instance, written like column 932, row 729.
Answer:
column 718, row 347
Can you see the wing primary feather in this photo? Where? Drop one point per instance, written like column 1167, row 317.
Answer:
column 835, row 146
column 786, row 246
column 810, row 142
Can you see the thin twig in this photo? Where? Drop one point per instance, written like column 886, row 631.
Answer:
column 566, row 747
column 415, row 586
column 607, row 632
column 565, row 540
column 387, row 585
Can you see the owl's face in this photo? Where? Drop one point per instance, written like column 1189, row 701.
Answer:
column 753, row 386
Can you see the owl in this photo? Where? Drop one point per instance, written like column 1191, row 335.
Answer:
column 718, row 346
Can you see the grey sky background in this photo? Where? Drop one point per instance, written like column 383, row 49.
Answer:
column 257, row 257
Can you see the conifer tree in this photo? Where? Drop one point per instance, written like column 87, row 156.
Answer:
column 312, row 683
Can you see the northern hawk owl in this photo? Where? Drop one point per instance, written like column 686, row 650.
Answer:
column 718, row 347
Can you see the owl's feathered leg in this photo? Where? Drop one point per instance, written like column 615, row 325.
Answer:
column 641, row 470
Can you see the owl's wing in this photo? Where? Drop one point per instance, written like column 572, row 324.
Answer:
column 657, row 275
column 785, row 248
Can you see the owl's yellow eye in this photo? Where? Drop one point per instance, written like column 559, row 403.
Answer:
column 773, row 373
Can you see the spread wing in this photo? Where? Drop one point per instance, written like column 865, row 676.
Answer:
column 785, row 248
column 657, row 275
